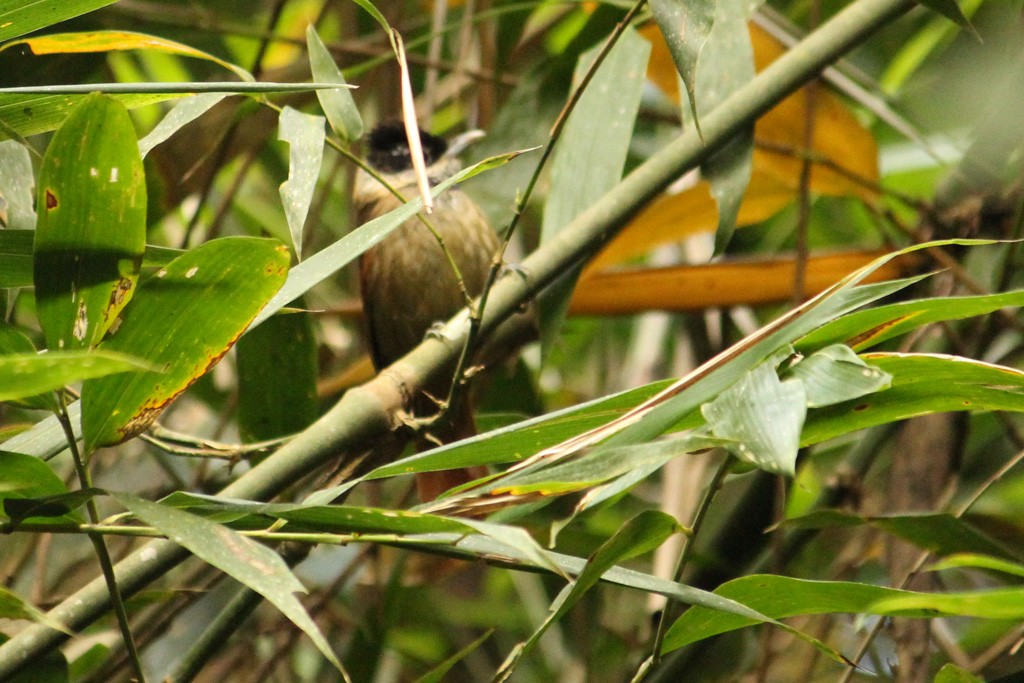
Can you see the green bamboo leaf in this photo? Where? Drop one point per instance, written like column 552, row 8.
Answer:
column 46, row 438
column 780, row 597
column 646, row 459
column 304, row 134
column 717, row 375
column 1006, row 603
column 686, row 27
column 28, row 111
column 17, row 187
column 951, row 10
column 115, row 41
column 31, row 114
column 16, row 257
column 29, row 487
column 163, row 89
column 338, row 105
column 836, row 374
column 950, row 673
column 372, row 10
column 14, row 341
column 517, row 441
column 23, row 476
column 30, row 374
column 18, row 17
column 254, row 565
column 183, row 112
column 13, row 606
column 978, row 561
column 55, row 509
column 277, row 372
column 726, row 64
column 350, row 519
column 864, row 329
column 940, row 533
column 427, row 532
column 763, row 416
column 438, row 673
column 519, row 539
column 91, row 231
column 343, row 519
column 921, row 384
column 186, row 317
column 927, row 42
column 591, row 154
column 599, row 467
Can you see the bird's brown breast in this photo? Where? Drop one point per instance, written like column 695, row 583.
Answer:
column 407, row 281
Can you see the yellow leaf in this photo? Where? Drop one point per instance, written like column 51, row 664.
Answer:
column 671, row 218
column 694, row 288
column 109, row 41
column 839, row 142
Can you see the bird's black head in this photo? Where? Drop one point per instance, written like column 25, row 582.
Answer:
column 388, row 148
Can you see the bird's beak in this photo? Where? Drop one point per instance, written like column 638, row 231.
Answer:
column 458, row 144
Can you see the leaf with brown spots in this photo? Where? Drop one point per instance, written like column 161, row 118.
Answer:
column 91, row 232
column 183, row 320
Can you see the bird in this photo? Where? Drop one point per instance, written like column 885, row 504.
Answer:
column 407, row 282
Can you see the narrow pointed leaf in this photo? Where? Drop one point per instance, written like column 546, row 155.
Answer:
column 186, row 317
column 184, row 111
column 704, row 383
column 863, row 329
column 515, row 442
column 591, row 154
column 253, row 564
column 91, row 230
column 14, row 341
column 686, row 27
column 13, row 606
column 940, row 533
column 438, row 673
column 727, row 64
column 110, row 41
column 30, row 374
column 338, row 105
column 17, row 186
column 24, row 476
column 921, row 384
column 18, row 17
column 305, row 137
column 951, row 673
column 978, row 561
column 951, row 10
column 780, row 597
column 763, row 416
column 837, row 374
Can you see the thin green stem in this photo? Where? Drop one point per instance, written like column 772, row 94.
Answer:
column 556, row 134
column 686, row 552
column 85, row 481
